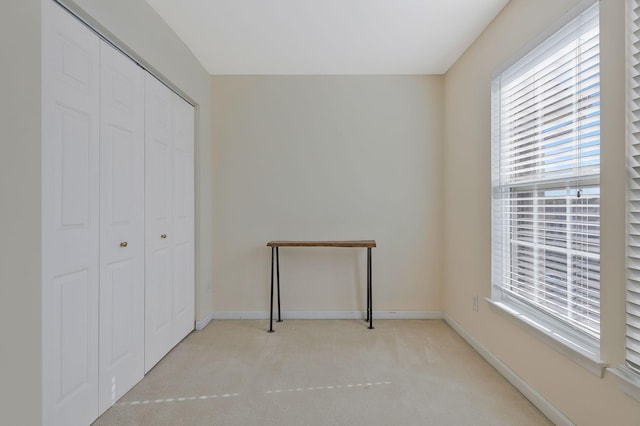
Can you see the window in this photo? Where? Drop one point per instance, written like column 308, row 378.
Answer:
column 633, row 205
column 546, row 181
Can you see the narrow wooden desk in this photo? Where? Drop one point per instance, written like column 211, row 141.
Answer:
column 275, row 245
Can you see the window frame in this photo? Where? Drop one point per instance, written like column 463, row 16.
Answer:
column 578, row 346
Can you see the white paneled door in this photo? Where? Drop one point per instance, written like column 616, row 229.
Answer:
column 70, row 228
column 169, row 200
column 121, row 225
column 159, row 222
column 183, row 218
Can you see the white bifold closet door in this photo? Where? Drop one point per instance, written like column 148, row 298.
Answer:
column 117, row 281
column 169, row 199
column 121, row 354
column 70, row 218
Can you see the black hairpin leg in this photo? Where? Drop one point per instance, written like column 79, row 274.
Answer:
column 278, row 275
column 369, row 290
column 271, row 316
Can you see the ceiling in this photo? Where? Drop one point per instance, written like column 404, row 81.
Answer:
column 327, row 36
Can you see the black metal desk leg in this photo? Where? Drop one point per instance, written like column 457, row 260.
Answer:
column 278, row 275
column 367, row 309
column 271, row 317
column 368, row 292
column 370, row 288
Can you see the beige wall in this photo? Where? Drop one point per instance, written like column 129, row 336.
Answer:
column 139, row 28
column 327, row 158
column 581, row 396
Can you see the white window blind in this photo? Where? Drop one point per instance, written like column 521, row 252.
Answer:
column 633, row 205
column 546, row 179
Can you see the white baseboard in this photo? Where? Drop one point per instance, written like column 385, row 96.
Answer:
column 377, row 315
column 432, row 315
column 531, row 394
column 201, row 324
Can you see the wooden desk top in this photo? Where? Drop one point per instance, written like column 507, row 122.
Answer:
column 359, row 243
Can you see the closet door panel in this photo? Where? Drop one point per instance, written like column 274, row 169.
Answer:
column 183, row 309
column 121, row 225
column 159, row 324
column 70, row 228
column 183, row 189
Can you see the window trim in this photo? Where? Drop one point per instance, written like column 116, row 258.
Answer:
column 577, row 346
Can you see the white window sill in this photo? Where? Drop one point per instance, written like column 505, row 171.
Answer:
column 580, row 354
column 629, row 381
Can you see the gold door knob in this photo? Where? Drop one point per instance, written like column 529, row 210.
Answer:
column 163, row 236
column 123, row 244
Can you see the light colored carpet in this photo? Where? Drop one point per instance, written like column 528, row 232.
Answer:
column 317, row 372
